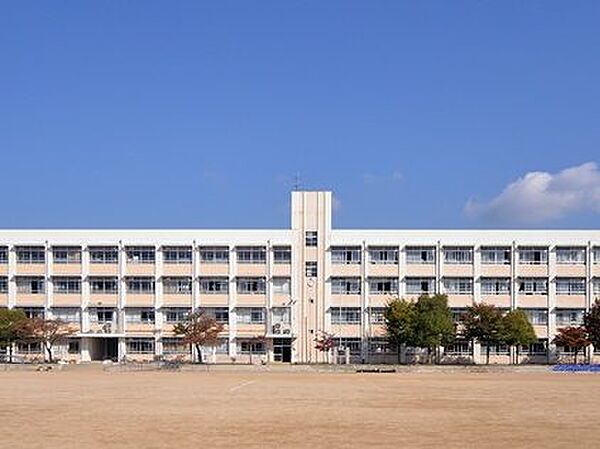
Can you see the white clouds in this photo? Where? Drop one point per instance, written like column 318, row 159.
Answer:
column 540, row 197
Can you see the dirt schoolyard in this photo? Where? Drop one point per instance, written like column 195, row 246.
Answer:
column 87, row 407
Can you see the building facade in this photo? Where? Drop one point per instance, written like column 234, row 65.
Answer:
column 275, row 291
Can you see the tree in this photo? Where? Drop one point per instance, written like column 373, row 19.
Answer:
column 434, row 326
column 11, row 322
column 47, row 332
column 325, row 342
column 484, row 323
column 400, row 316
column 591, row 323
column 198, row 330
column 517, row 330
column 572, row 337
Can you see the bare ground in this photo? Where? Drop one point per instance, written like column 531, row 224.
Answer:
column 90, row 408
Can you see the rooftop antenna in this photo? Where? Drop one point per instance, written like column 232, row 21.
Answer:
column 297, row 183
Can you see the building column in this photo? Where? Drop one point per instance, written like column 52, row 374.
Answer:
column 12, row 273
column 232, row 303
column 551, row 329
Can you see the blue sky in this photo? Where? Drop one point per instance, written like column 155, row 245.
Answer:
column 190, row 114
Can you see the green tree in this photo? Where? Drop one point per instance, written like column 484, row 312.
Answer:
column 198, row 330
column 434, row 326
column 483, row 323
column 400, row 316
column 517, row 330
column 11, row 329
column 572, row 337
column 591, row 323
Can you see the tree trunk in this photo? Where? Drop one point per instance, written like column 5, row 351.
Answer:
column 10, row 352
column 199, row 352
column 487, row 354
column 49, row 350
column 517, row 361
column 575, row 355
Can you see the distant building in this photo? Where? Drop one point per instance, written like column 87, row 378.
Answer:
column 276, row 290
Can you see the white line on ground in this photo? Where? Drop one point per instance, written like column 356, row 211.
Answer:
column 242, row 385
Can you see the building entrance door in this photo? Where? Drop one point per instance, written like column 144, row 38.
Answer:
column 282, row 350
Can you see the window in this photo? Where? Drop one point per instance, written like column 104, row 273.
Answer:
column 214, row 286
column 597, row 286
column 281, row 286
column 251, row 347
column 385, row 255
column 458, row 255
column 570, row 256
column 282, row 254
column 458, row 313
column 345, row 286
column 596, row 253
column 251, row 286
column 345, row 315
column 102, row 315
column 29, row 348
column 420, row 255
column 140, row 285
column 73, row 346
column 176, row 314
column 3, row 254
column 139, row 316
column 538, row 348
column 66, row 254
column 30, row 285
column 351, row 343
column 281, row 315
column 104, row 285
column 214, row 254
column 537, row 317
column 377, row 315
column 380, row 345
column 420, row 286
column 495, row 255
column 33, row 312
column 250, row 315
column 177, row 285
column 495, row 286
column 533, row 255
column 3, row 285
column 177, row 254
column 220, row 314
column 345, row 255
column 533, row 286
column 458, row 286
column 31, row 254
column 459, row 348
column 251, row 254
column 311, row 238
column 495, row 349
column 570, row 286
column 67, row 314
column 140, row 254
column 173, row 345
column 67, row 285
column 569, row 317
column 140, row 345
column 310, row 269
column 383, row 286
column 104, row 254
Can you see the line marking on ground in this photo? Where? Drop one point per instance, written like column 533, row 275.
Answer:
column 242, row 385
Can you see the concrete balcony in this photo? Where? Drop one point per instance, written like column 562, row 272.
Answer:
column 64, row 300
column 66, row 269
